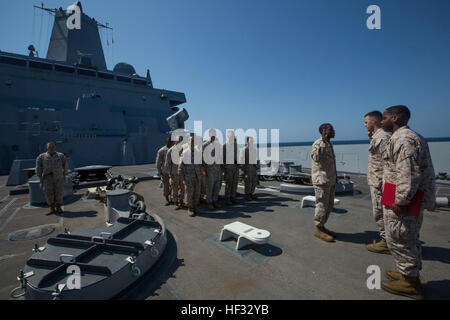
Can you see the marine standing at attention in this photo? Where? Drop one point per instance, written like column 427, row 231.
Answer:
column 212, row 161
column 408, row 165
column 230, row 164
column 160, row 166
column 249, row 164
column 379, row 139
column 324, row 178
column 190, row 170
column 51, row 168
column 173, row 158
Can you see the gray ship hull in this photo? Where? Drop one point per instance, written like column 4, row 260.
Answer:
column 95, row 115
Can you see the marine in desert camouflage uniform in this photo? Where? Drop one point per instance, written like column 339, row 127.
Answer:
column 190, row 170
column 51, row 168
column 324, row 178
column 379, row 140
column 172, row 163
column 231, row 168
column 161, row 167
column 407, row 164
column 212, row 162
column 249, row 165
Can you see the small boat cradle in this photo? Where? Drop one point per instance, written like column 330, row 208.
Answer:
column 106, row 259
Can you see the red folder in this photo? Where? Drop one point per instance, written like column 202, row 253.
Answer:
column 388, row 199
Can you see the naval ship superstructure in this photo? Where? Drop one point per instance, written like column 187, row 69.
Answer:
column 95, row 115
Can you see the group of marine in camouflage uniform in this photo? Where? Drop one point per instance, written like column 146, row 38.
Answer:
column 397, row 155
column 189, row 178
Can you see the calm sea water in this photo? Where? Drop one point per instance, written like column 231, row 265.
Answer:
column 352, row 155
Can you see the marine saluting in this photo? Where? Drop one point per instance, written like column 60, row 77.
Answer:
column 379, row 140
column 324, row 178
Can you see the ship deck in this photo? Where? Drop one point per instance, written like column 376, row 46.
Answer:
column 196, row 265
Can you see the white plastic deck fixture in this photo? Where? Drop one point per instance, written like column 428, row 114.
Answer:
column 245, row 234
column 310, row 201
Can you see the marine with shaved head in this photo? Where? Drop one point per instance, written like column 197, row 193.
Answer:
column 379, row 140
column 324, row 178
column 51, row 168
column 407, row 164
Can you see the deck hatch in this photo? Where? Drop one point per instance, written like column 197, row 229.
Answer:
column 61, row 271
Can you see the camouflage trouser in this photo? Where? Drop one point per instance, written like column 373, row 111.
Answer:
column 53, row 189
column 212, row 183
column 324, row 203
column 192, row 191
column 376, row 194
column 203, row 187
column 250, row 180
column 402, row 238
column 231, row 181
column 166, row 184
column 177, row 186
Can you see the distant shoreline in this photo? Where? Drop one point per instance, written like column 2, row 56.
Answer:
column 347, row 142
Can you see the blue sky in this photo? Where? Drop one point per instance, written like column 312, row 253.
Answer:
column 287, row 64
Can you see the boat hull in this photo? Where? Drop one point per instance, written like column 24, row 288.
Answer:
column 95, row 282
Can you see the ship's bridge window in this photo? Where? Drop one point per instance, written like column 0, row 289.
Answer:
column 41, row 65
column 64, row 69
column 123, row 79
column 13, row 61
column 85, row 72
column 140, row 82
column 104, row 75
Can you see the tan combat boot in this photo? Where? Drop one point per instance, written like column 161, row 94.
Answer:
column 407, row 286
column 392, row 275
column 167, row 203
column 178, row 206
column 321, row 234
column 331, row 233
column 191, row 212
column 378, row 247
